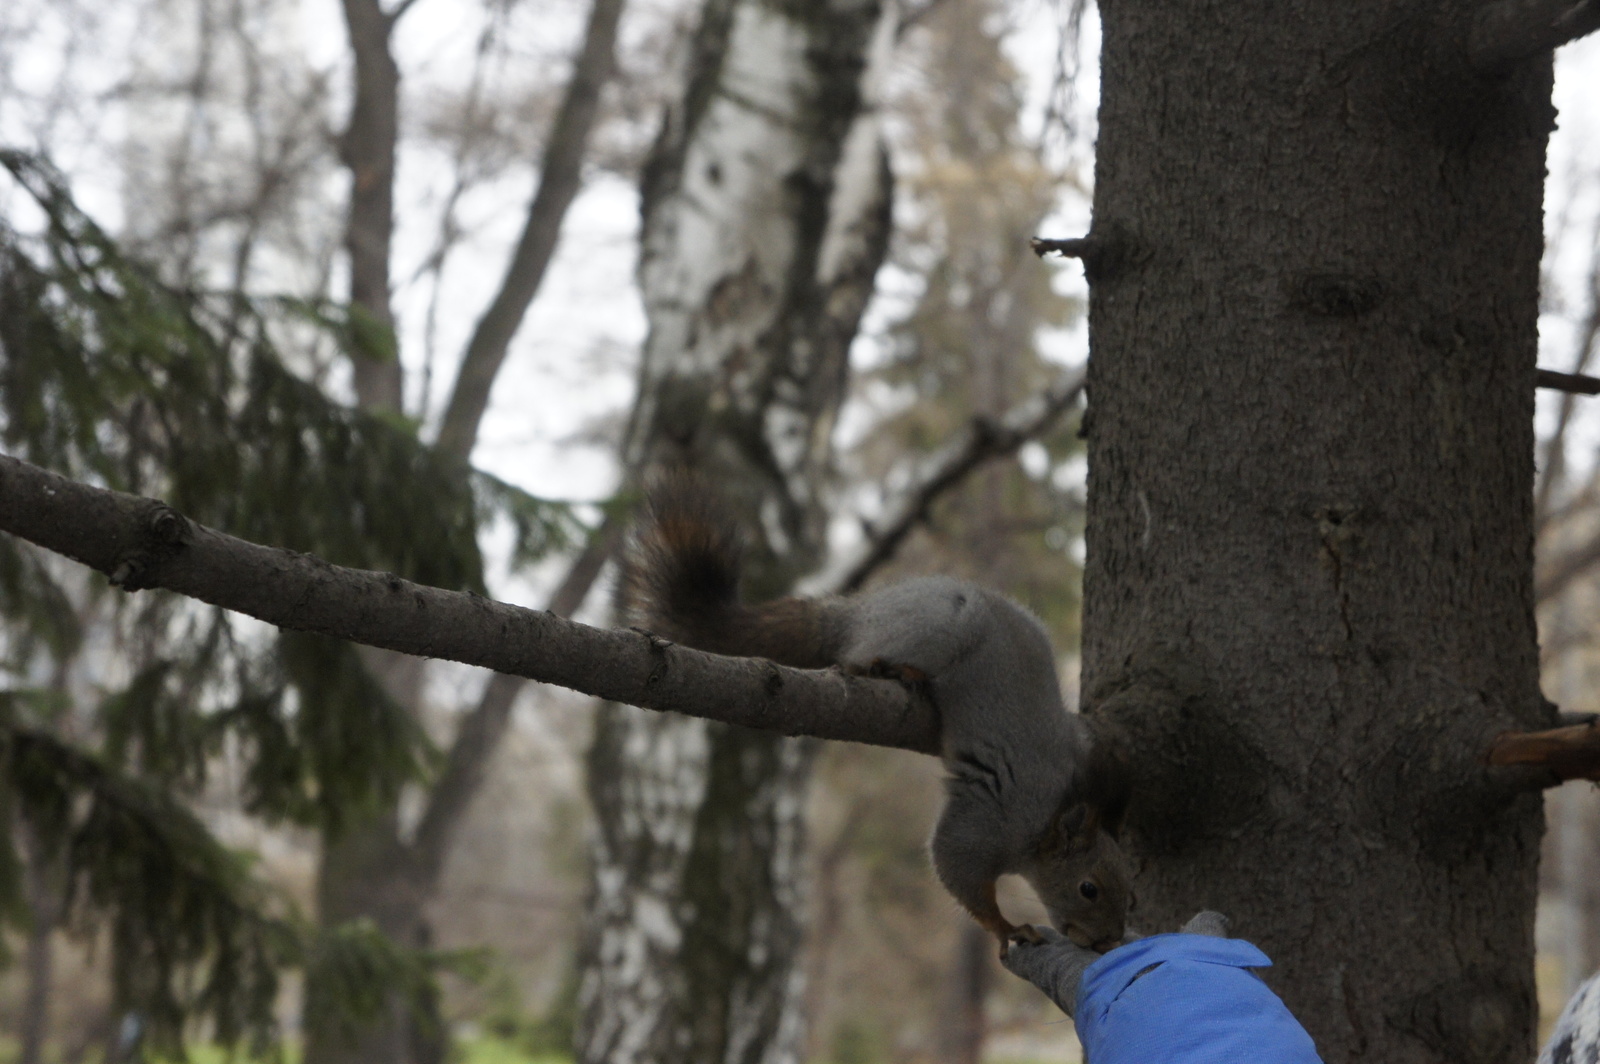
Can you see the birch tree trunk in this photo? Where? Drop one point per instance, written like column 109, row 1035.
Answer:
column 1308, row 600
column 765, row 216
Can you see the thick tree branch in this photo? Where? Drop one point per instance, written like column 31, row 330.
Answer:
column 1571, row 753
column 559, row 179
column 945, row 468
column 141, row 543
column 1509, row 31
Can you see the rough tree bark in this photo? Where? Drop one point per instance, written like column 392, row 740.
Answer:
column 763, row 225
column 1314, row 270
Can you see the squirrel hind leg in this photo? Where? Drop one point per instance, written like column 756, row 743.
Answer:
column 987, row 913
column 963, row 859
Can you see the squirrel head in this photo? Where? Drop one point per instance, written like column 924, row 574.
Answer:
column 1083, row 878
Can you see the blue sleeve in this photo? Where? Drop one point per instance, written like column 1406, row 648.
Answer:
column 1186, row 999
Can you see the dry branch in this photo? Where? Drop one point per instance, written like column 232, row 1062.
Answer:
column 1077, row 247
column 984, row 439
column 141, row 543
column 1572, row 753
column 1575, row 383
column 1510, row 31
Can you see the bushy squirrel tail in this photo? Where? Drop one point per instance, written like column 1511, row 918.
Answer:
column 681, row 581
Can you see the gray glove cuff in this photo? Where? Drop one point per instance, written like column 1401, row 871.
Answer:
column 1057, row 964
column 1207, row 922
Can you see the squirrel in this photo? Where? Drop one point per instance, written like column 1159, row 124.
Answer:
column 1026, row 792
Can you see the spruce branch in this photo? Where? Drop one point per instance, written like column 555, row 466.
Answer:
column 1508, row 32
column 145, row 544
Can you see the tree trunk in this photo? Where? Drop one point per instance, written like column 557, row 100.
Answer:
column 1308, row 599
column 762, row 231
column 362, row 876
column 560, row 178
column 45, row 893
column 964, row 1025
column 367, row 149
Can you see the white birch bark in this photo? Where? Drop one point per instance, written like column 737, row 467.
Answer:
column 765, row 218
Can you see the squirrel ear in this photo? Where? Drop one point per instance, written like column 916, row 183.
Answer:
column 1077, row 826
column 1107, row 787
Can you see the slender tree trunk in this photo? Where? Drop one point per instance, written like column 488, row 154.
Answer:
column 560, row 177
column 1308, row 600
column 367, row 149
column 361, row 876
column 964, row 1025
column 765, row 218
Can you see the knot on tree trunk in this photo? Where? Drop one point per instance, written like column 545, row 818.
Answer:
column 1192, row 773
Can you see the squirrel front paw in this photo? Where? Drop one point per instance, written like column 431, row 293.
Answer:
column 1023, row 934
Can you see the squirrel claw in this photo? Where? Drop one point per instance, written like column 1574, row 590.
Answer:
column 1020, row 933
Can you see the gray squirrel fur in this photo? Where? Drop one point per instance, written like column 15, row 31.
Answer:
column 1025, row 793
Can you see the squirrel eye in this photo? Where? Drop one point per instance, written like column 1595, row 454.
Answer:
column 1089, row 890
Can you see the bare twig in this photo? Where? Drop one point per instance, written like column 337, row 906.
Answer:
column 984, row 439
column 1510, row 31
column 1570, row 753
column 141, row 543
column 1077, row 247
